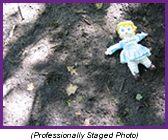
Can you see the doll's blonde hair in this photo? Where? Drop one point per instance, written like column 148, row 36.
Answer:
column 126, row 24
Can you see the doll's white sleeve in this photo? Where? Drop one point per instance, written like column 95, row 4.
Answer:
column 140, row 36
column 114, row 48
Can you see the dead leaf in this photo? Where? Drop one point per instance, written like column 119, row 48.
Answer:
column 78, row 113
column 87, row 122
column 147, row 4
column 99, row 5
column 72, row 70
column 71, row 89
column 30, row 86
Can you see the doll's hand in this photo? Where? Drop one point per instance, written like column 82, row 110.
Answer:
column 145, row 34
column 107, row 53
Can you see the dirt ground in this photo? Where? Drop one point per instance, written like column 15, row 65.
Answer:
column 55, row 72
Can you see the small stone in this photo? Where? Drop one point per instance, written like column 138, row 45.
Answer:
column 76, row 64
column 87, row 122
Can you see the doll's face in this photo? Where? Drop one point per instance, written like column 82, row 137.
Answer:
column 126, row 32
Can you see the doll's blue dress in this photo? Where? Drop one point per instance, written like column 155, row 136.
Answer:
column 131, row 49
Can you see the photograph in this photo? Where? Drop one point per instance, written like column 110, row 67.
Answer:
column 84, row 64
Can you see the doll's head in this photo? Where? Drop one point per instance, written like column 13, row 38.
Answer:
column 126, row 29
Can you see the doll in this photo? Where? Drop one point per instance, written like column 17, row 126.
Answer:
column 132, row 53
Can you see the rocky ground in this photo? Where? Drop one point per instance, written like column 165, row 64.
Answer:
column 55, row 72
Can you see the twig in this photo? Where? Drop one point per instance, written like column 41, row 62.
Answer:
column 163, row 26
column 81, row 12
column 103, row 28
column 87, row 21
column 122, row 84
column 108, row 89
column 20, row 13
column 11, row 32
column 145, row 104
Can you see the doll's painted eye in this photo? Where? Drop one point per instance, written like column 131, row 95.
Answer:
column 129, row 29
column 122, row 30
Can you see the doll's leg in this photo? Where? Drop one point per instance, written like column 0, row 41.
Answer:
column 147, row 63
column 133, row 66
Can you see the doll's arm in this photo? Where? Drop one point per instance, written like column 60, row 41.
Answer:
column 114, row 48
column 140, row 36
